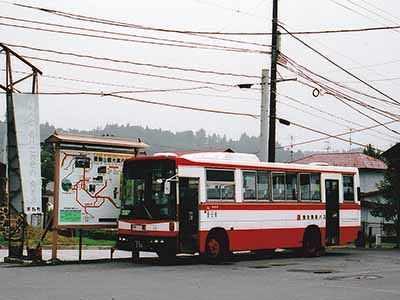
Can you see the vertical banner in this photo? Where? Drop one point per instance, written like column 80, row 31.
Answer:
column 27, row 127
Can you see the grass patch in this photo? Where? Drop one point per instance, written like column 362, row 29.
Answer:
column 3, row 242
column 35, row 233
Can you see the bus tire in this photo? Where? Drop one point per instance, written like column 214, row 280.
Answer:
column 312, row 246
column 217, row 247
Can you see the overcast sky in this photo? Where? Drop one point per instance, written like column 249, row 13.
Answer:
column 373, row 56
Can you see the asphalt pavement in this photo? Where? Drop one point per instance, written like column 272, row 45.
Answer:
column 365, row 274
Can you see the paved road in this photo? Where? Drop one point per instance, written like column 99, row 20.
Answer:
column 342, row 274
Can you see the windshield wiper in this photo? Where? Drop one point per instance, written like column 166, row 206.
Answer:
column 147, row 211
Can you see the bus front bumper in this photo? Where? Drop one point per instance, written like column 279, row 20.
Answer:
column 145, row 243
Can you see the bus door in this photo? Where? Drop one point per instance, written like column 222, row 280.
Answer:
column 332, row 211
column 189, row 214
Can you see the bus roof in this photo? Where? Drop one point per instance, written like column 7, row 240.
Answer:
column 243, row 161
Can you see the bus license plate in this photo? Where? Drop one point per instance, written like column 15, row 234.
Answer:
column 138, row 227
column 138, row 245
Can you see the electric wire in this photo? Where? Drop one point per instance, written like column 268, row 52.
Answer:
column 127, row 71
column 204, row 33
column 338, row 118
column 338, row 136
column 131, row 35
column 81, row 55
column 340, row 67
column 230, row 49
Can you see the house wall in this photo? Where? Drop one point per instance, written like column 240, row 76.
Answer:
column 369, row 180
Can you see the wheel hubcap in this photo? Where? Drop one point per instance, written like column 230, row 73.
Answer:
column 214, row 247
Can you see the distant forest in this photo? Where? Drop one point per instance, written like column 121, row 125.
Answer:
column 165, row 140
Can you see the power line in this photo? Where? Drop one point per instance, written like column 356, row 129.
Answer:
column 180, row 91
column 81, row 55
column 114, row 95
column 337, row 117
column 369, row 10
column 201, row 33
column 218, row 48
column 338, row 136
column 380, row 9
column 342, row 97
column 340, row 67
column 128, row 72
column 133, row 35
column 301, row 68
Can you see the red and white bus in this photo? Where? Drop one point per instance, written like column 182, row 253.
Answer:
column 217, row 203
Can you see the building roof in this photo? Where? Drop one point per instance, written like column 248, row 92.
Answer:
column 184, row 152
column 92, row 140
column 346, row 159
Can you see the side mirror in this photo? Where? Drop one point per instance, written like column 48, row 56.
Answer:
column 167, row 187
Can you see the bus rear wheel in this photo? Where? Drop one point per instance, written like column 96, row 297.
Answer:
column 216, row 248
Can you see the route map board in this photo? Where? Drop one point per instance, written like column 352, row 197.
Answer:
column 89, row 191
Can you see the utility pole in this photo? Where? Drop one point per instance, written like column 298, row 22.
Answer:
column 263, row 151
column 274, row 59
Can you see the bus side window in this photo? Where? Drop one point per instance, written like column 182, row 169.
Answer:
column 348, row 188
column 220, row 185
column 315, row 187
column 310, row 187
column 278, row 186
column 249, row 186
column 291, row 186
column 262, row 186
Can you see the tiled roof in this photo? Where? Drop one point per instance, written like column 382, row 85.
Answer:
column 346, row 159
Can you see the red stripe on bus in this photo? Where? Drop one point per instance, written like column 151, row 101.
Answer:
column 141, row 221
column 259, row 206
column 154, row 233
column 350, row 206
column 272, row 206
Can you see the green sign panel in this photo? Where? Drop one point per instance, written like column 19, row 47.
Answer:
column 70, row 216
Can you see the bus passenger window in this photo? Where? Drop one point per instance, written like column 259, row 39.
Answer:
column 249, row 186
column 262, row 186
column 315, row 180
column 348, row 188
column 278, row 186
column 291, row 186
column 220, row 185
column 305, row 190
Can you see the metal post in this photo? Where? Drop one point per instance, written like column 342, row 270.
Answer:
column 370, row 237
column 274, row 60
column 263, row 151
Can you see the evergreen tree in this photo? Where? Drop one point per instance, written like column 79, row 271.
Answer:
column 389, row 207
column 371, row 151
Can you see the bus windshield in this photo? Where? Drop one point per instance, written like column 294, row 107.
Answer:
column 143, row 190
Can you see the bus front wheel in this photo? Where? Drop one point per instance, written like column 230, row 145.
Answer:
column 216, row 248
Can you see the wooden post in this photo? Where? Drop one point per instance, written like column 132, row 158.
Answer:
column 80, row 244
column 54, row 240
